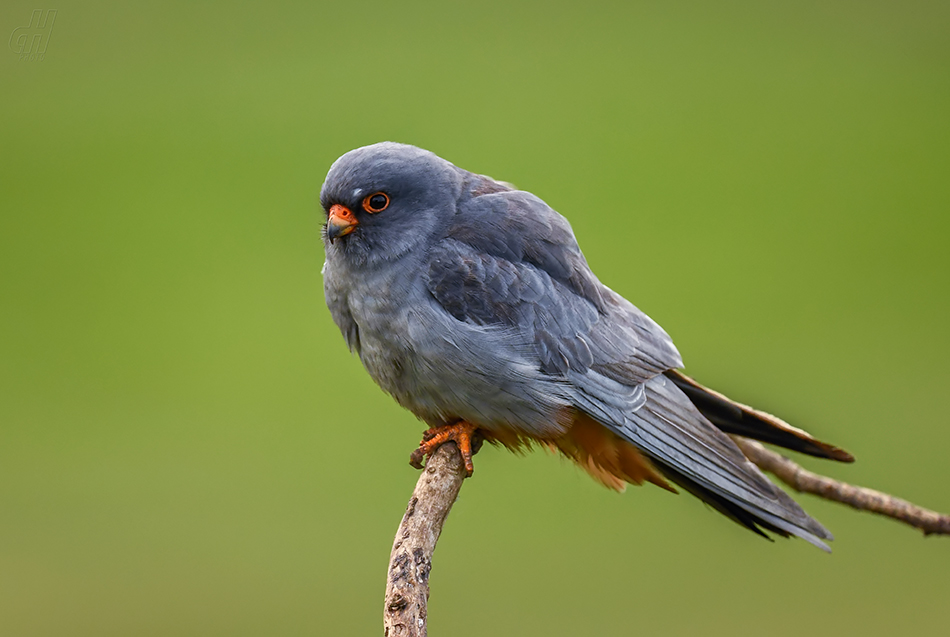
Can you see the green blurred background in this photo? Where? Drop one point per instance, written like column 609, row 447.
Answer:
column 187, row 448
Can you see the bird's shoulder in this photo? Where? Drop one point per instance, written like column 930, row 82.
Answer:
column 509, row 259
column 498, row 221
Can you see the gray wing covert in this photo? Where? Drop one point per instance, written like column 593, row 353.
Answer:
column 509, row 259
column 482, row 289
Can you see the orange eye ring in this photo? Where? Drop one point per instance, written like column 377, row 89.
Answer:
column 376, row 202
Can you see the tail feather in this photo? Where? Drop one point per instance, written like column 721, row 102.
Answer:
column 756, row 520
column 679, row 436
column 735, row 418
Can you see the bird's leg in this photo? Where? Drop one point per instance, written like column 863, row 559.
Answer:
column 464, row 435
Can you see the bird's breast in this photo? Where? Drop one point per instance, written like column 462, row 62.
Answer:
column 377, row 301
column 441, row 368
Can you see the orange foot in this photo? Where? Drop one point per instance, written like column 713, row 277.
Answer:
column 461, row 432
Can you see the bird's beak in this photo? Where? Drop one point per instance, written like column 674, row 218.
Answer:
column 341, row 222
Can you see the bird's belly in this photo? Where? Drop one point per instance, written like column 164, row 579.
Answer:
column 445, row 370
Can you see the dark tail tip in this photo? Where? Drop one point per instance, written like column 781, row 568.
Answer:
column 735, row 418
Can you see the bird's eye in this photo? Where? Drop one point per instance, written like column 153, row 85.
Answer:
column 377, row 202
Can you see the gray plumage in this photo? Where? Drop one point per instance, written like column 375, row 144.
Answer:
column 468, row 299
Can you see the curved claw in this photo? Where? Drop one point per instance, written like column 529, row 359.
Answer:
column 461, row 433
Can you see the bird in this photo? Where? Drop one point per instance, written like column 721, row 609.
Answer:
column 471, row 304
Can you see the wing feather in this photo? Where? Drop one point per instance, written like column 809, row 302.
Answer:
column 510, row 260
column 675, row 435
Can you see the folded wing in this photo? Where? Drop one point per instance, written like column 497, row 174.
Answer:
column 512, row 261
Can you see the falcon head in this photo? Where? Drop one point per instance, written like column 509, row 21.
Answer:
column 385, row 199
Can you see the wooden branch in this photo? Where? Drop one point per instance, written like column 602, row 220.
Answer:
column 407, row 586
column 804, row 481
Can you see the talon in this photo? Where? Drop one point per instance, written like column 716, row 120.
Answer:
column 462, row 433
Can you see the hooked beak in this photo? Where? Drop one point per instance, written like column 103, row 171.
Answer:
column 341, row 222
